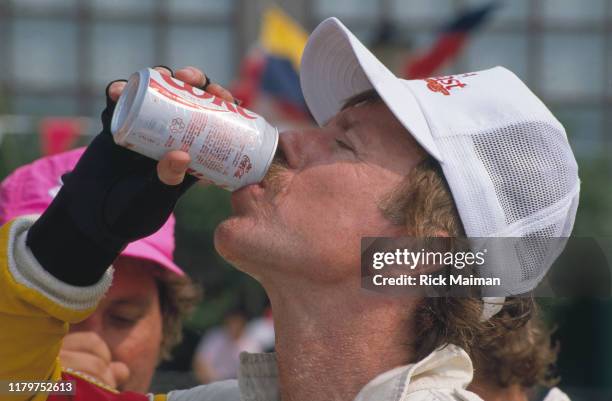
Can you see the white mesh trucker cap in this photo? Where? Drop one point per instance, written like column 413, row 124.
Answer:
column 505, row 156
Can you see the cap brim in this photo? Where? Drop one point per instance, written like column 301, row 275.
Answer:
column 145, row 251
column 336, row 66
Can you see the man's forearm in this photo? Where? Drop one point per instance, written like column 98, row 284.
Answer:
column 61, row 248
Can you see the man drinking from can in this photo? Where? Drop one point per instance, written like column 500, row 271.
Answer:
column 475, row 154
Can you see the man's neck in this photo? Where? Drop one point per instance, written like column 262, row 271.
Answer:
column 331, row 342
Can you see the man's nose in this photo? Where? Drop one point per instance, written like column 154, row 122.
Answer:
column 304, row 147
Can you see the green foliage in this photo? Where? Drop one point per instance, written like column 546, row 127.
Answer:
column 594, row 217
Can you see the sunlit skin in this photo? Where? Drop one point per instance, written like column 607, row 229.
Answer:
column 301, row 240
column 120, row 342
column 328, row 198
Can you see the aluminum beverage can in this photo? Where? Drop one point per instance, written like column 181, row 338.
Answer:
column 229, row 146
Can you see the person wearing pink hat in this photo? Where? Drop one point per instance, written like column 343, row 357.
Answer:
column 140, row 318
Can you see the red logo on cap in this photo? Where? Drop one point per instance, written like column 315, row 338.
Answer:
column 444, row 85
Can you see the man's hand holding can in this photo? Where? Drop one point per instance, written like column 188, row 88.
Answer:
column 112, row 197
column 172, row 167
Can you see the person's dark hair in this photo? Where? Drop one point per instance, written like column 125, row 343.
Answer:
column 178, row 296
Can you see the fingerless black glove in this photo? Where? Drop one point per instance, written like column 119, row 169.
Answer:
column 112, row 197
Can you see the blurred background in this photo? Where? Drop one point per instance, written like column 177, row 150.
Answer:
column 56, row 57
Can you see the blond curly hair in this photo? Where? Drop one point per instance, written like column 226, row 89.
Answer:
column 514, row 346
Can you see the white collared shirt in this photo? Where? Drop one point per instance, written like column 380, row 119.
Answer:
column 443, row 375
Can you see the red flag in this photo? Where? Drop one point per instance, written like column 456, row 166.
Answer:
column 445, row 49
column 58, row 134
column 449, row 44
column 246, row 88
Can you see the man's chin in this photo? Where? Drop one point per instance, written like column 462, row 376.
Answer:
column 232, row 237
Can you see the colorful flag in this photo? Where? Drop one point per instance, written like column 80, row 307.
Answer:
column 272, row 67
column 450, row 42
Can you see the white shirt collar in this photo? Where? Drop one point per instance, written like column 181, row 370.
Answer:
column 258, row 377
column 447, row 368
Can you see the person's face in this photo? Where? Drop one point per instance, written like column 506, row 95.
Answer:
column 308, row 218
column 129, row 320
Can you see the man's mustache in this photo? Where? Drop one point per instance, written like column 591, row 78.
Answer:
column 274, row 179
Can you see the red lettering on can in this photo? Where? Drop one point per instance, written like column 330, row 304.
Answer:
column 199, row 93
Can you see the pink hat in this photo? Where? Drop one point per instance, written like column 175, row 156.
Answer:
column 31, row 188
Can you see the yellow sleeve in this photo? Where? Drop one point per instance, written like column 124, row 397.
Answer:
column 34, row 315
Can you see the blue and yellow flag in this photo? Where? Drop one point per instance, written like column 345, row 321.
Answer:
column 273, row 67
column 283, row 41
